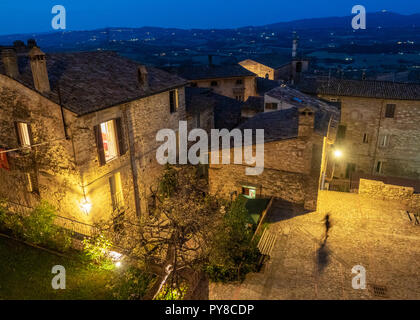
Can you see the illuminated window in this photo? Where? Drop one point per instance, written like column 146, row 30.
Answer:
column 173, row 100
column 24, row 136
column 249, row 192
column 271, row 106
column 109, row 140
column 116, row 191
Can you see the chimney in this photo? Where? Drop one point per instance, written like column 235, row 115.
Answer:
column 210, row 60
column 306, row 122
column 31, row 43
column 39, row 70
column 10, row 62
column 143, row 77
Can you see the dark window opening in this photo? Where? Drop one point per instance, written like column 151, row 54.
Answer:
column 299, row 66
column 173, row 100
column 365, row 138
column 378, row 168
column 239, row 81
column 214, row 83
column 341, row 132
column 390, row 111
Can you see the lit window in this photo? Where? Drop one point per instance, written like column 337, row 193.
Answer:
column 249, row 192
column 173, row 100
column 109, row 140
column 24, row 135
column 116, row 191
column 271, row 106
column 384, row 141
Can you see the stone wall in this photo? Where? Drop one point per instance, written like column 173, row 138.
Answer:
column 259, row 69
column 401, row 157
column 291, row 172
column 380, row 190
column 226, row 86
column 69, row 170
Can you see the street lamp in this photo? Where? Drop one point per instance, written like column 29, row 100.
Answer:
column 337, row 154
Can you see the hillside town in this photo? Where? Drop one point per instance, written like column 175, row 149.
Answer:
column 79, row 131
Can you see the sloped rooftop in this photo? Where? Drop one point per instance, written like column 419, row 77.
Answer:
column 361, row 88
column 202, row 72
column 92, row 81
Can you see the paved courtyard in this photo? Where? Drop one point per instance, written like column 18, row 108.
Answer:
column 375, row 234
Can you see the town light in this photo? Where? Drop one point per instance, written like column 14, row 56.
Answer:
column 86, row 206
column 338, row 153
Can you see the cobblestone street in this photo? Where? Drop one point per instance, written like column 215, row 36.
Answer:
column 375, row 234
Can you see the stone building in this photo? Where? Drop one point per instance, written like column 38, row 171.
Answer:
column 79, row 131
column 293, row 147
column 232, row 81
column 277, row 66
column 379, row 132
column 208, row 110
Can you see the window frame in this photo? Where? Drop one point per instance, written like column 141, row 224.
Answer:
column 248, row 195
column 119, row 140
column 24, row 140
column 173, row 101
column 271, row 103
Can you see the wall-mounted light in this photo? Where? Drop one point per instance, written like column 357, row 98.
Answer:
column 85, row 206
column 338, row 153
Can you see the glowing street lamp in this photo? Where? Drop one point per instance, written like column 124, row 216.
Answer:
column 85, row 206
column 338, row 153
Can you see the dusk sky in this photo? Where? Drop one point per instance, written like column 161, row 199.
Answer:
column 27, row 16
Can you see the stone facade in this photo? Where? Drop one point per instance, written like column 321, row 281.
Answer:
column 366, row 127
column 379, row 190
column 291, row 172
column 239, row 88
column 259, row 69
column 69, row 170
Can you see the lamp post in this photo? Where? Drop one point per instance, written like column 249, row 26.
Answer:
column 337, row 154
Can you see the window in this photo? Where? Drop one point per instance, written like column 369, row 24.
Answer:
column 193, row 84
column 239, row 81
column 299, row 66
column 214, row 83
column 173, row 100
column 23, row 134
column 109, row 140
column 249, row 192
column 271, row 106
column 116, row 191
column 384, row 141
column 239, row 98
column 351, row 168
column 390, row 111
column 365, row 138
column 378, row 168
column 267, row 76
column 341, row 132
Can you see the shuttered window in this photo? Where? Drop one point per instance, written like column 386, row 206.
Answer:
column 24, row 134
column 110, row 140
column 390, row 111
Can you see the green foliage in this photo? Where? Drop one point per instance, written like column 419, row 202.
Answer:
column 168, row 293
column 131, row 284
column 96, row 250
column 168, row 183
column 233, row 252
column 37, row 227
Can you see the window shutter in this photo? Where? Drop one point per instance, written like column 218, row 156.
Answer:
column 100, row 145
column 18, row 134
column 120, row 136
column 31, row 138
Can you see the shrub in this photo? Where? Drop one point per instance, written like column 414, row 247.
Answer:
column 96, row 249
column 233, row 253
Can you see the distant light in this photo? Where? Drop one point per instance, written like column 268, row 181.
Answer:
column 338, row 154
